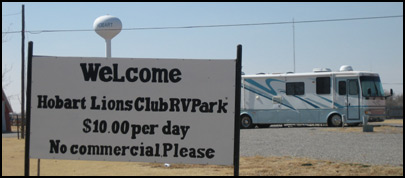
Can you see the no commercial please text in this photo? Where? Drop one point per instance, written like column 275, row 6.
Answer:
column 157, row 150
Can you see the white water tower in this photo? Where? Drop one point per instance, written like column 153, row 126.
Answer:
column 108, row 27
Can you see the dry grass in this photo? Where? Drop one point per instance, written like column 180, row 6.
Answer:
column 394, row 121
column 378, row 128
column 289, row 166
column 13, row 160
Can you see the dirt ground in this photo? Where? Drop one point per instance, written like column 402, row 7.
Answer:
column 13, row 161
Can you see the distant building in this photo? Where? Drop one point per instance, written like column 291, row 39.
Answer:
column 5, row 110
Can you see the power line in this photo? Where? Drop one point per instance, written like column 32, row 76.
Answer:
column 216, row 26
column 6, row 15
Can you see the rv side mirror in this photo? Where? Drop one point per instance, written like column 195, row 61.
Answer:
column 369, row 92
column 391, row 94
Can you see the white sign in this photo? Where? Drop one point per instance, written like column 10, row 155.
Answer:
column 141, row 110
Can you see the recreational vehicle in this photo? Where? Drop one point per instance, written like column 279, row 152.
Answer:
column 319, row 97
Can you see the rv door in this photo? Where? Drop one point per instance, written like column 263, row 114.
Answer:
column 353, row 99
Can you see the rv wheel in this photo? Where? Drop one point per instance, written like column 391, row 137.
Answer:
column 246, row 122
column 335, row 121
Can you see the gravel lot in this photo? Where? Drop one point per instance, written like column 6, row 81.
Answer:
column 318, row 143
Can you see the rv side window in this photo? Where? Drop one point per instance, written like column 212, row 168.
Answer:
column 342, row 88
column 323, row 85
column 353, row 87
column 295, row 88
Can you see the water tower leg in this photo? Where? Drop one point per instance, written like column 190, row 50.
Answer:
column 108, row 48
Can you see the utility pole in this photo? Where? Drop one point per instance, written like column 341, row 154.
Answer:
column 294, row 43
column 22, row 73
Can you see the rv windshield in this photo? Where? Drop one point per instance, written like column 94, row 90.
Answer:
column 371, row 86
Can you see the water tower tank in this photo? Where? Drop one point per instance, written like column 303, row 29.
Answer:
column 108, row 27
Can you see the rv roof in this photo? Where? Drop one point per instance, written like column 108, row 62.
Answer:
column 346, row 73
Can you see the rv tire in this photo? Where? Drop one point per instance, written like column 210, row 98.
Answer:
column 246, row 122
column 335, row 120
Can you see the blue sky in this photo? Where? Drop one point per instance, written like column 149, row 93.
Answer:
column 368, row 45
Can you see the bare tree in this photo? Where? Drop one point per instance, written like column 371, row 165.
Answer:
column 395, row 101
column 4, row 37
column 5, row 79
column 394, row 106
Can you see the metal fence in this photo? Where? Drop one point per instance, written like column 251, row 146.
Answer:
column 395, row 112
